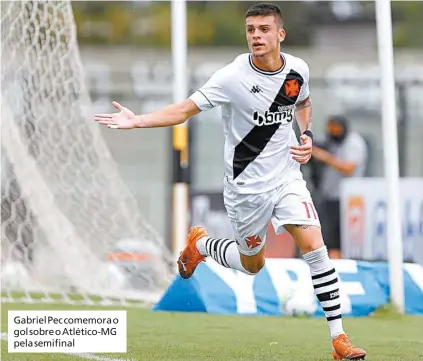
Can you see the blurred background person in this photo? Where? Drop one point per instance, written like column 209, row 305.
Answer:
column 343, row 154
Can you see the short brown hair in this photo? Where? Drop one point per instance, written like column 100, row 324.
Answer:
column 265, row 9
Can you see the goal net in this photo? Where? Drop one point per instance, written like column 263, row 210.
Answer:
column 71, row 230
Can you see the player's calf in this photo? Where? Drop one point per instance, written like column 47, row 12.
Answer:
column 325, row 280
column 326, row 286
column 225, row 252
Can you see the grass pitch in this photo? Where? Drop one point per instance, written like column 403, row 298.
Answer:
column 191, row 337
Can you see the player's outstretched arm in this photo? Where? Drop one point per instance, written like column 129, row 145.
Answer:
column 302, row 153
column 168, row 116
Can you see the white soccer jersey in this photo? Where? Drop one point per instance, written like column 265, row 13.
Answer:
column 257, row 112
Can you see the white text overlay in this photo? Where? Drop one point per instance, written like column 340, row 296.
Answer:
column 66, row 331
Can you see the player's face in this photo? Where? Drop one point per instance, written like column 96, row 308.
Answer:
column 264, row 34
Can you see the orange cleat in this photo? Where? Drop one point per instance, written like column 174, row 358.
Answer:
column 343, row 349
column 190, row 257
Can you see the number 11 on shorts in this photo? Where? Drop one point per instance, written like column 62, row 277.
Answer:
column 310, row 207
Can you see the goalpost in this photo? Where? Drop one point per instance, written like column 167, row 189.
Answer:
column 71, row 230
column 390, row 151
column 180, row 191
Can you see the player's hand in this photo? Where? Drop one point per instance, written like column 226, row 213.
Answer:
column 125, row 119
column 302, row 153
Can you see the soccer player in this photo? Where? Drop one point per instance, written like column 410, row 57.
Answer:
column 259, row 93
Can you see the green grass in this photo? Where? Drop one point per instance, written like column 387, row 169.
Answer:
column 190, row 337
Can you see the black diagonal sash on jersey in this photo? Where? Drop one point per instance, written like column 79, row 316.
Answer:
column 258, row 137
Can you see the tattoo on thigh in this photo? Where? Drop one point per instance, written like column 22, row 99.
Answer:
column 303, row 226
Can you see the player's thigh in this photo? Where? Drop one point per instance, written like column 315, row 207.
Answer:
column 294, row 205
column 295, row 211
column 249, row 216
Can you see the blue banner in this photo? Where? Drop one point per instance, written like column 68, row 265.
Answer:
column 284, row 287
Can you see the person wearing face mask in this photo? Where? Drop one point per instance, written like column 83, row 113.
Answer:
column 344, row 154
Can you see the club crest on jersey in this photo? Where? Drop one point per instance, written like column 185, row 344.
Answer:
column 292, row 88
column 283, row 116
column 253, row 241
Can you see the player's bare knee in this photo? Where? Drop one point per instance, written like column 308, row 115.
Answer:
column 308, row 238
column 253, row 264
column 254, row 268
column 258, row 265
column 311, row 245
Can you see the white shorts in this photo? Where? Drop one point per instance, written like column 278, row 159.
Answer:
column 250, row 214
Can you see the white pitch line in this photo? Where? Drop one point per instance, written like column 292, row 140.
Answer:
column 91, row 356
column 88, row 356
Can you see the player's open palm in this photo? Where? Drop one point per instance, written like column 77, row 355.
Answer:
column 302, row 153
column 125, row 119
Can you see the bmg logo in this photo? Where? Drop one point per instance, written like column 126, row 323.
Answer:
column 270, row 118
